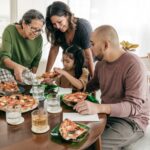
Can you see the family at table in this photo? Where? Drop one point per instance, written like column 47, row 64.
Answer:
column 120, row 75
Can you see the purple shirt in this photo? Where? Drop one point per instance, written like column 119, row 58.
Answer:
column 123, row 84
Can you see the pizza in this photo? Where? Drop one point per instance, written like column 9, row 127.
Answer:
column 26, row 102
column 73, row 98
column 50, row 75
column 70, row 130
column 8, row 87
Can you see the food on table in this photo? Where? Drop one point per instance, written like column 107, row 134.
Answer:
column 50, row 75
column 8, row 87
column 70, row 130
column 73, row 98
column 26, row 102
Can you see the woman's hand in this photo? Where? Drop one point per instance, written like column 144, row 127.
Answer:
column 18, row 69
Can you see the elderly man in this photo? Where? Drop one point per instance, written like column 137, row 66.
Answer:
column 121, row 77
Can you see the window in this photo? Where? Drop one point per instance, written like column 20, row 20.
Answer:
column 4, row 15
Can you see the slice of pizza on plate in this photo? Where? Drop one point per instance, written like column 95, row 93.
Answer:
column 8, row 87
column 26, row 102
column 70, row 130
column 73, row 98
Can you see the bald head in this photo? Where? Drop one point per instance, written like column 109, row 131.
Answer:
column 107, row 33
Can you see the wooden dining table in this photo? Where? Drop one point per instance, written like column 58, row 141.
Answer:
column 20, row 137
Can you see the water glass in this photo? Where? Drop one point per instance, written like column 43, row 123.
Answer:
column 38, row 92
column 13, row 115
column 40, row 121
column 52, row 104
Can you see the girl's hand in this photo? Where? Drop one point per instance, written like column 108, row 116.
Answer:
column 59, row 71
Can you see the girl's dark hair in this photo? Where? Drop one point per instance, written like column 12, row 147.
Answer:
column 30, row 15
column 76, row 53
column 57, row 8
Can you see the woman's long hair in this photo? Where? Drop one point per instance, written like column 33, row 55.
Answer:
column 57, row 8
column 76, row 53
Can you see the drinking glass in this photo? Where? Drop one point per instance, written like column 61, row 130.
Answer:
column 38, row 92
column 52, row 103
column 13, row 115
column 39, row 121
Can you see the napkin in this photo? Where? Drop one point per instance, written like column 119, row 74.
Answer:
column 64, row 91
column 78, row 117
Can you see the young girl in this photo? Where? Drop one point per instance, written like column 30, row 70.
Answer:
column 73, row 75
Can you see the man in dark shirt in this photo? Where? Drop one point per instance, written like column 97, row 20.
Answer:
column 122, row 79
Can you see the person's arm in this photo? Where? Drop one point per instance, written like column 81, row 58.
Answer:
column 93, row 84
column 18, row 69
column 133, row 103
column 6, row 54
column 36, row 61
column 75, row 82
column 86, row 107
column 52, row 57
column 135, row 100
column 89, row 61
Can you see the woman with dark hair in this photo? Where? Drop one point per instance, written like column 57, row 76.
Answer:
column 22, row 44
column 73, row 75
column 64, row 30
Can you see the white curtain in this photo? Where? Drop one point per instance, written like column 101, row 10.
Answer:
column 131, row 18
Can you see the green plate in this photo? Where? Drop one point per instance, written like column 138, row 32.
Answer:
column 71, row 104
column 55, row 133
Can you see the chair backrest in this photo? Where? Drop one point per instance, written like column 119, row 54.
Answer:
column 146, row 61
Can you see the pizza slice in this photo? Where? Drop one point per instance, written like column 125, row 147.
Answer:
column 70, row 130
column 9, row 87
column 50, row 74
column 73, row 98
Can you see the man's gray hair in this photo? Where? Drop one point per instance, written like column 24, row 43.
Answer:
column 30, row 15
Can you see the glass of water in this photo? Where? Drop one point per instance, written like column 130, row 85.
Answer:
column 38, row 92
column 52, row 103
column 13, row 115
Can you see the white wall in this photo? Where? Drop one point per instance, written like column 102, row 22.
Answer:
column 131, row 18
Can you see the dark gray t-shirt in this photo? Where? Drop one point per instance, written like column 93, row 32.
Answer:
column 81, row 37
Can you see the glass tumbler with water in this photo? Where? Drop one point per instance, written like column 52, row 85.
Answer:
column 38, row 92
column 52, row 103
column 13, row 115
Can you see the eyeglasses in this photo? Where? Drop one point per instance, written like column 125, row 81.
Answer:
column 35, row 30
